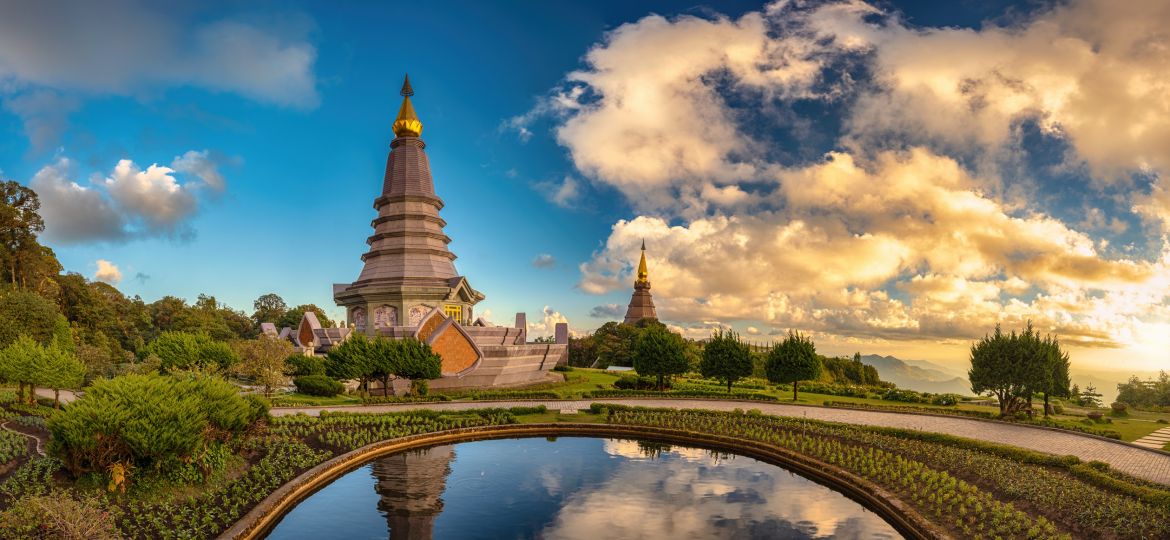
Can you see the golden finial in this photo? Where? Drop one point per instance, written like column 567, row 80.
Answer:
column 407, row 124
column 643, row 274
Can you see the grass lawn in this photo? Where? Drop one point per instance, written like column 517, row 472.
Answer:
column 1135, row 425
column 552, row 417
column 294, row 399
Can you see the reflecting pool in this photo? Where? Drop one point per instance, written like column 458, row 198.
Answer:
column 575, row 488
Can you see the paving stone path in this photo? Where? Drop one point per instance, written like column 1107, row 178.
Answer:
column 1149, row 465
column 1156, row 440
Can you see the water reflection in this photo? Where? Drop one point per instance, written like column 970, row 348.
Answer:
column 411, row 486
column 576, row 488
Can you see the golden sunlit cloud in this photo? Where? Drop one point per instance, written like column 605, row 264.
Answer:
column 914, row 230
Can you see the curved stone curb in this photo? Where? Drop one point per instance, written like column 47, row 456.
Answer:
column 1147, row 464
column 620, row 400
column 264, row 516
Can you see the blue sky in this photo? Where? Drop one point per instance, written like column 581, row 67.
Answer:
column 738, row 137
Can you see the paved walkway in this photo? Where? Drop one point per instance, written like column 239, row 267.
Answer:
column 1141, row 463
column 1156, row 440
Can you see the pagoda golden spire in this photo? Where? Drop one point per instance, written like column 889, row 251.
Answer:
column 407, row 124
column 643, row 274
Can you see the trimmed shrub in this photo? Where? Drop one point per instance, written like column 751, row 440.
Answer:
column 635, row 382
column 1118, row 409
column 1163, row 421
column 145, row 420
column 299, row 365
column 562, row 368
column 318, row 385
column 373, row 400
column 1095, row 415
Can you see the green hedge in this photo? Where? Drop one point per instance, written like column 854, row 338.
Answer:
column 713, row 394
column 374, row 400
column 318, row 385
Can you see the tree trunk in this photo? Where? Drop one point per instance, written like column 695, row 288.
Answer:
column 1045, row 404
column 660, row 382
column 728, row 386
column 386, row 386
column 794, row 392
column 56, row 398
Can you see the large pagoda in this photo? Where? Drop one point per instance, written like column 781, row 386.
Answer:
column 641, row 303
column 408, row 269
column 409, row 289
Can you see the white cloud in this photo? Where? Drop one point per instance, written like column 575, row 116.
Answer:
column 154, row 195
column 544, row 260
column 74, row 213
column 203, row 165
column 913, row 229
column 608, row 311
column 129, row 203
column 546, row 326
column 852, row 230
column 55, row 52
column 107, row 272
column 125, row 46
column 563, row 194
column 44, row 113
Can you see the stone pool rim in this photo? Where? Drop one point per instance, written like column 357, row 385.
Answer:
column 262, row 518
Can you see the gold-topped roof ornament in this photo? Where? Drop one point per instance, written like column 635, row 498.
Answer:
column 407, row 124
column 643, row 274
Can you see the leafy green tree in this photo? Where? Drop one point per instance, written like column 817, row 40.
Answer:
column 292, row 318
column 20, row 362
column 1014, row 367
column 60, row 368
column 263, row 361
column 615, row 344
column 793, row 360
column 726, row 358
column 660, row 353
column 418, row 363
column 178, row 351
column 409, row 358
column 351, row 360
column 997, row 367
column 25, row 312
column 268, row 308
column 20, row 223
column 1055, row 378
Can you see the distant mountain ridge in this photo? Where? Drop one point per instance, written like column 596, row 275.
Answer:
column 918, row 375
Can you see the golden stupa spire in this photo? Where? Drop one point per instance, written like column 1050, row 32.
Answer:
column 643, row 274
column 407, row 124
